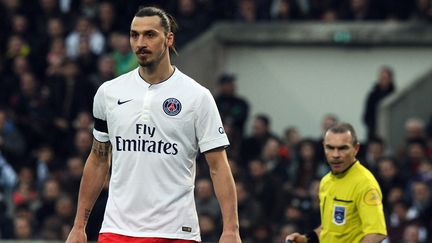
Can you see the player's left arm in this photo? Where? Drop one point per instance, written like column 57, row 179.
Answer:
column 223, row 183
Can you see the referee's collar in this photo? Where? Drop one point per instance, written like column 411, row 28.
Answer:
column 343, row 173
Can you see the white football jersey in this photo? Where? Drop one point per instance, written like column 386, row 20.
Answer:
column 156, row 132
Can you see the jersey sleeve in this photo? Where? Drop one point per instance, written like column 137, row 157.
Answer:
column 208, row 124
column 370, row 208
column 100, row 130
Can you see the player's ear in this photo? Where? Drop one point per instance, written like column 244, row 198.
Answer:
column 170, row 39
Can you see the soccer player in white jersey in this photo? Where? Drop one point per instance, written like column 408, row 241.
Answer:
column 151, row 123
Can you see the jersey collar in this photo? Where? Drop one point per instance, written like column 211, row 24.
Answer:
column 147, row 84
column 344, row 173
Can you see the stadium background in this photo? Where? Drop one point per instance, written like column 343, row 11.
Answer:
column 295, row 67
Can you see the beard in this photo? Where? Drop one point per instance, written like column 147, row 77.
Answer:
column 151, row 60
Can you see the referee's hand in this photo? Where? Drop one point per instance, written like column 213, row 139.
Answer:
column 295, row 238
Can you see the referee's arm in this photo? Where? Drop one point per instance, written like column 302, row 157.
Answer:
column 223, row 183
column 373, row 238
column 94, row 176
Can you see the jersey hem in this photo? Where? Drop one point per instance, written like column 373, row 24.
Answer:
column 158, row 235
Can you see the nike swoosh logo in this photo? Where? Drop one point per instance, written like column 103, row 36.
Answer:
column 122, row 102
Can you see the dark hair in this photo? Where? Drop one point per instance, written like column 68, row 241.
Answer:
column 264, row 118
column 167, row 21
column 343, row 128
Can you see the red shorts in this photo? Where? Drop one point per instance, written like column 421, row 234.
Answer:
column 116, row 238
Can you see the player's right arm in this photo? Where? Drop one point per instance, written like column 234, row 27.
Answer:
column 94, row 175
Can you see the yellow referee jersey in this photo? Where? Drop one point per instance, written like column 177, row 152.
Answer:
column 351, row 206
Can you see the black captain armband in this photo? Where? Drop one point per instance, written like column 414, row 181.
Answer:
column 312, row 237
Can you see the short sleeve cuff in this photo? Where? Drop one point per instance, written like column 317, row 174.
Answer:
column 100, row 136
column 215, row 143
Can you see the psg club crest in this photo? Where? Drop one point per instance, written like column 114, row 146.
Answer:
column 172, row 106
column 339, row 215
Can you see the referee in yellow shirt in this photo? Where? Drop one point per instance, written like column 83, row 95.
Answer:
column 350, row 197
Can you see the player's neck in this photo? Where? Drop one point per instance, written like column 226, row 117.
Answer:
column 157, row 74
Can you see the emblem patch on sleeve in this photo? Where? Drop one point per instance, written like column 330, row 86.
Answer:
column 372, row 197
column 339, row 215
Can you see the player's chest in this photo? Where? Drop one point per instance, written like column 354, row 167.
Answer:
column 152, row 107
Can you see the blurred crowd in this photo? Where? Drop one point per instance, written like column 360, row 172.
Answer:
column 54, row 54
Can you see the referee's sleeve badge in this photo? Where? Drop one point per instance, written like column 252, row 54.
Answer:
column 372, row 197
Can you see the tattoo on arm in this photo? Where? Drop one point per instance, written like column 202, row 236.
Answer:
column 102, row 150
column 86, row 214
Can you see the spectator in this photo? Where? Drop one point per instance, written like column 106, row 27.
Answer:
column 12, row 143
column 71, row 179
column 33, row 115
column 274, row 153
column 232, row 108
column 397, row 220
column 51, row 192
column 327, row 121
column 263, row 187
column 107, row 19
column 254, row 144
column 247, row 11
column 47, row 9
column 82, row 143
column 65, row 210
column 25, row 192
column 10, row 85
column 88, row 8
column 388, row 176
column 122, row 54
column 421, row 201
column 84, row 28
column 262, row 233
column 285, row 230
column 23, row 229
column 105, row 71
column 193, row 20
column 20, row 27
column 285, row 10
column 71, row 93
column 306, row 166
column 422, row 10
column 16, row 47
column 375, row 150
column 249, row 209
column 360, row 10
column 86, row 59
column 55, row 57
column 6, row 222
column 291, row 138
column 383, row 87
column 208, row 229
column 415, row 129
column 205, row 200
column 83, row 121
column 415, row 154
column 412, row 233
column 8, row 178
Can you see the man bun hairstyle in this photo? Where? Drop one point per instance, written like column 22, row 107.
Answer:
column 167, row 21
